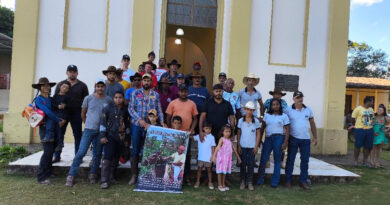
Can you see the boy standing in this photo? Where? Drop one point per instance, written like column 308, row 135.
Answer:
column 248, row 140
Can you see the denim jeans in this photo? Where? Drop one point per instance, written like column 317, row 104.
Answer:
column 364, row 138
column 45, row 164
column 74, row 117
column 271, row 143
column 51, row 130
column 138, row 135
column 304, row 148
column 247, row 165
column 88, row 137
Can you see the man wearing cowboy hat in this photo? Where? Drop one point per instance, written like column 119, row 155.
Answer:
column 135, row 85
column 277, row 94
column 166, row 94
column 111, row 85
column 249, row 93
column 141, row 101
column 173, row 66
column 301, row 119
column 196, row 69
column 47, row 130
column 196, row 92
column 77, row 92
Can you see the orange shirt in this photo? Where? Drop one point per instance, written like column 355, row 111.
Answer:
column 186, row 110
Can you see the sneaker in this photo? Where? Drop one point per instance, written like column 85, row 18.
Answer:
column 242, row 186
column 250, row 187
column 197, row 185
column 45, row 182
column 104, row 185
column 221, row 189
column 69, row 181
column 211, row 186
column 226, row 188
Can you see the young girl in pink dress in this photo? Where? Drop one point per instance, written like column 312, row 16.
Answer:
column 223, row 156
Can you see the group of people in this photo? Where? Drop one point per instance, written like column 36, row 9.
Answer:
column 369, row 130
column 123, row 106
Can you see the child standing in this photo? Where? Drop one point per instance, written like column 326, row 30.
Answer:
column 248, row 140
column 223, row 156
column 59, row 103
column 176, row 122
column 114, row 136
column 206, row 150
column 276, row 125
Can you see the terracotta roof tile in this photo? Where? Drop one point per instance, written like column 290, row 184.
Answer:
column 364, row 82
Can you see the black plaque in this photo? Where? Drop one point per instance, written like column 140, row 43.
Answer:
column 289, row 83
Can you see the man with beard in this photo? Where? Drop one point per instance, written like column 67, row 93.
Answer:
column 186, row 109
column 77, row 92
column 216, row 111
column 162, row 68
column 141, row 101
column 196, row 69
column 111, row 85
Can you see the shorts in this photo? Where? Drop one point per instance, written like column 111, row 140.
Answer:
column 364, row 138
column 204, row 164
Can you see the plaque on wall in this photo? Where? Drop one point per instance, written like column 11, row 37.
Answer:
column 289, row 83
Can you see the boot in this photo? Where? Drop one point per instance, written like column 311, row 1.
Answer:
column 92, row 178
column 113, row 167
column 105, row 173
column 69, row 181
column 134, row 168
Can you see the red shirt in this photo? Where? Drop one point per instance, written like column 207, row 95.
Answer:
column 154, row 80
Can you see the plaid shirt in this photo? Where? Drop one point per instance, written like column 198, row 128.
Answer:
column 140, row 104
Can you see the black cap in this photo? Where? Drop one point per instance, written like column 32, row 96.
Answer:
column 222, row 74
column 125, row 57
column 298, row 94
column 183, row 87
column 218, row 86
column 71, row 68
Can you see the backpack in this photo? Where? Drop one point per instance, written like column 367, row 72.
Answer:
column 33, row 114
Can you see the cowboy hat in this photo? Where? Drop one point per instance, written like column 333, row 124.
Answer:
column 250, row 105
column 253, row 76
column 136, row 75
column 164, row 80
column 174, row 62
column 277, row 91
column 43, row 81
column 196, row 74
column 109, row 69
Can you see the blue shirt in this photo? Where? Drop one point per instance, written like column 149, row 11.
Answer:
column 275, row 123
column 234, row 100
column 267, row 105
column 248, row 132
column 45, row 105
column 198, row 95
column 128, row 93
column 246, row 97
column 300, row 123
column 140, row 104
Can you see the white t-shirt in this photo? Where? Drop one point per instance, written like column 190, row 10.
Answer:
column 300, row 124
column 248, row 132
column 204, row 148
column 275, row 124
column 179, row 158
column 126, row 74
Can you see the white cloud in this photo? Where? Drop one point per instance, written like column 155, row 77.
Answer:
column 366, row 2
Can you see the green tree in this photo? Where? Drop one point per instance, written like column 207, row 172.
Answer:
column 365, row 61
column 6, row 21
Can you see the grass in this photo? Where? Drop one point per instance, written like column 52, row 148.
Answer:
column 372, row 188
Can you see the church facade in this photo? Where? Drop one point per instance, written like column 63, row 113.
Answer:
column 293, row 45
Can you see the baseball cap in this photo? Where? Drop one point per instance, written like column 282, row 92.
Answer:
column 180, row 75
column 298, row 94
column 71, row 68
column 146, row 75
column 100, row 80
column 222, row 74
column 153, row 111
column 125, row 57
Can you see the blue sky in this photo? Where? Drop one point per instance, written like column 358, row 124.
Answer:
column 370, row 23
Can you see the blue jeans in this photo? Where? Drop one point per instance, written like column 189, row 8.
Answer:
column 51, row 132
column 304, row 149
column 88, row 137
column 271, row 143
column 138, row 135
column 247, row 165
column 364, row 138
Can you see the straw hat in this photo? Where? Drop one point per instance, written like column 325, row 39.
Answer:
column 251, row 76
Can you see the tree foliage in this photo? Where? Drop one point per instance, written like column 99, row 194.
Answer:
column 365, row 61
column 6, row 21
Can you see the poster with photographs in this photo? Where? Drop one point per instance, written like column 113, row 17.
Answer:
column 162, row 164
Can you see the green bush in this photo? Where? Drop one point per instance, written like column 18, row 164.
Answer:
column 9, row 153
